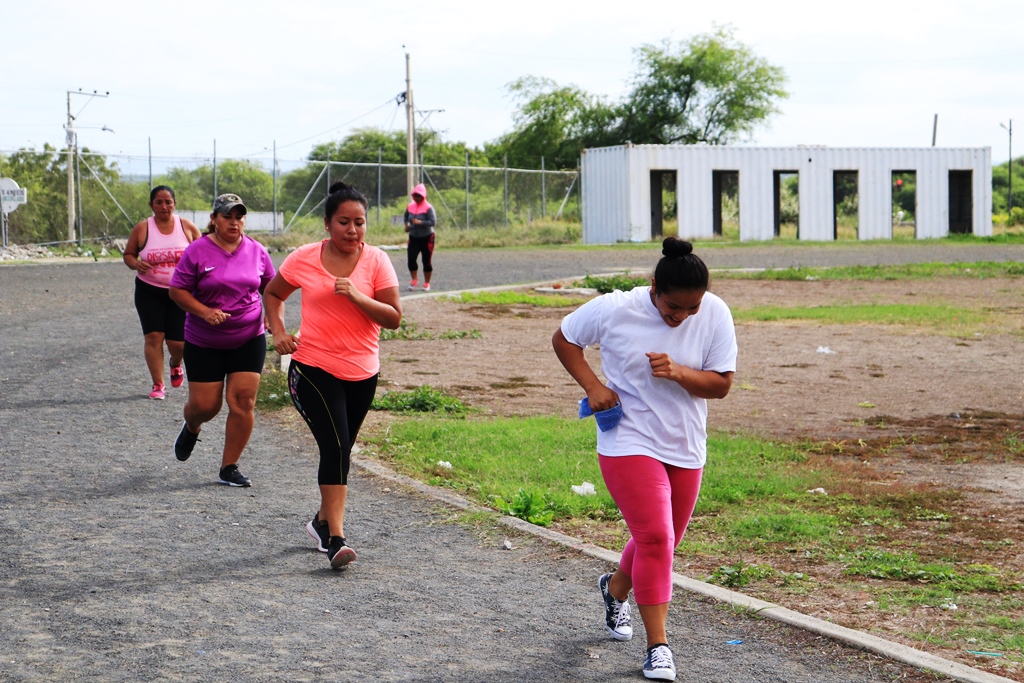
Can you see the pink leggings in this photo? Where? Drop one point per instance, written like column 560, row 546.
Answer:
column 656, row 501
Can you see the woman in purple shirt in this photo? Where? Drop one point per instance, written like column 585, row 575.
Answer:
column 219, row 281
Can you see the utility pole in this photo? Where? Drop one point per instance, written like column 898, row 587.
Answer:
column 275, row 187
column 72, row 140
column 410, row 136
column 71, row 173
column 215, row 195
column 1009, row 169
column 935, row 128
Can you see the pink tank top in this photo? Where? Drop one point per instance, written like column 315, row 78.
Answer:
column 162, row 252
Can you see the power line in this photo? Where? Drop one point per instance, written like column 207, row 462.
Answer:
column 329, row 130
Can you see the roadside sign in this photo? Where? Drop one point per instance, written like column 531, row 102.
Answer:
column 11, row 196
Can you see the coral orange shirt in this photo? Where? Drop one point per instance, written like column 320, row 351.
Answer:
column 335, row 335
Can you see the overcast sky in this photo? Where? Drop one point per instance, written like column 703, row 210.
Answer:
column 184, row 73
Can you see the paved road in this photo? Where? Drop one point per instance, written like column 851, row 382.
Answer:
column 118, row 563
column 469, row 268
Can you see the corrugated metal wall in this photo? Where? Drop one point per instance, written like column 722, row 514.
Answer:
column 605, row 183
column 617, row 201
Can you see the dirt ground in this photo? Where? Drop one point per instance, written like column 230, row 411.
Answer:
column 910, row 407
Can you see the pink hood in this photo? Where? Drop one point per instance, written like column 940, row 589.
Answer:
column 420, row 207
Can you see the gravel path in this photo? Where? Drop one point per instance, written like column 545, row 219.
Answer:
column 119, row 563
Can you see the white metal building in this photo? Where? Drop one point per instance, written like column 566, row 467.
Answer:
column 622, row 189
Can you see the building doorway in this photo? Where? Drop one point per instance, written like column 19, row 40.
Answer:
column 845, row 201
column 961, row 202
column 904, row 204
column 786, row 191
column 663, row 204
column 725, row 192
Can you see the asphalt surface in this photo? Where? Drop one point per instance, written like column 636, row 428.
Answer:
column 472, row 268
column 118, row 563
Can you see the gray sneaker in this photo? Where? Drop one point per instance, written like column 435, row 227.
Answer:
column 616, row 612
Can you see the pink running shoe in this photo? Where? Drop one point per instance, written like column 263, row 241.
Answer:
column 412, row 285
column 426, row 286
column 177, row 376
column 158, row 392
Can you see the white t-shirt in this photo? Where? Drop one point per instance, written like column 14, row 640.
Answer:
column 660, row 418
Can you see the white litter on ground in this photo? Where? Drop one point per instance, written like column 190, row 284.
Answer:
column 584, row 489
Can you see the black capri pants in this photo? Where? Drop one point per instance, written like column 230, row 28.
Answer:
column 421, row 245
column 334, row 410
column 157, row 312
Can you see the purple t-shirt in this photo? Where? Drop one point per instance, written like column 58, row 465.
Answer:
column 231, row 282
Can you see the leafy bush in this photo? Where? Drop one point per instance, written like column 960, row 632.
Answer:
column 460, row 334
column 528, row 506
column 740, row 574
column 610, row 283
column 423, row 399
column 406, row 330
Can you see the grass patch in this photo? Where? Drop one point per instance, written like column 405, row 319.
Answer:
column 511, row 297
column 520, row 466
column 273, row 392
column 906, row 566
column 909, row 271
column 809, row 520
column 409, row 331
column 941, row 318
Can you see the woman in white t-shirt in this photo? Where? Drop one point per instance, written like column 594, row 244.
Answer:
column 665, row 350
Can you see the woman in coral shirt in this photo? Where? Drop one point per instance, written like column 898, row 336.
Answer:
column 349, row 292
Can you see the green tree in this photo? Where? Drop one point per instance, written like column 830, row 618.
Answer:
column 44, row 175
column 361, row 146
column 709, row 89
column 554, row 122
column 1000, row 183
column 193, row 187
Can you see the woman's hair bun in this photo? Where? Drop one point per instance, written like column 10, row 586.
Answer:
column 338, row 186
column 674, row 247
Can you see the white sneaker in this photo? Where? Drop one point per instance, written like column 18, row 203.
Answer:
column 659, row 664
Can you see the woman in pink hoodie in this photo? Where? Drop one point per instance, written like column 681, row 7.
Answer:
column 420, row 220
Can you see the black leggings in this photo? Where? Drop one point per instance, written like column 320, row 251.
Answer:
column 334, row 410
column 421, row 245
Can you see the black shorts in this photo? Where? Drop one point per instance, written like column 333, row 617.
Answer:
column 157, row 312
column 213, row 365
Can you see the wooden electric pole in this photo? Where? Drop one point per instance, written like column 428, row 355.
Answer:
column 410, row 142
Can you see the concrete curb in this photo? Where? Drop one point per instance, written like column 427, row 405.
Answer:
column 857, row 639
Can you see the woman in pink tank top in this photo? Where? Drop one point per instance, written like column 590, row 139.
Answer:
column 153, row 250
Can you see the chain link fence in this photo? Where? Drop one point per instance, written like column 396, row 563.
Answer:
column 111, row 192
